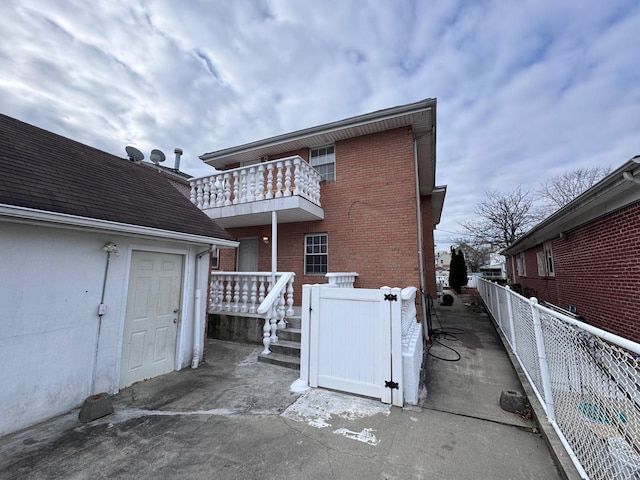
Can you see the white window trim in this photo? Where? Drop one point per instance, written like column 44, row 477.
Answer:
column 521, row 265
column 311, row 150
column 548, row 254
column 308, row 235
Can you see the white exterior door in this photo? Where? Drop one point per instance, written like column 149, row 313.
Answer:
column 152, row 313
column 248, row 255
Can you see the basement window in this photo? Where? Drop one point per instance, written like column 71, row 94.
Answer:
column 315, row 253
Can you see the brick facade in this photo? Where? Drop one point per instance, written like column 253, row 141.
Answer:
column 370, row 218
column 597, row 270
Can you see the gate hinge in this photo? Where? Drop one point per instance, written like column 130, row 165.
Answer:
column 391, row 384
column 391, row 297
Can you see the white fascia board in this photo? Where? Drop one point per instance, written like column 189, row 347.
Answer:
column 63, row 220
column 353, row 122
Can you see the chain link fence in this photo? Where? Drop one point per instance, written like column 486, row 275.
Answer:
column 587, row 380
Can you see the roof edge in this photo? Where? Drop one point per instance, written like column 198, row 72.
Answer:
column 33, row 216
column 327, row 127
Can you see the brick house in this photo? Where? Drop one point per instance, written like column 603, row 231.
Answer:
column 584, row 257
column 369, row 204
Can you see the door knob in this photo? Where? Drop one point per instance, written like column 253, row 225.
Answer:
column 176, row 310
column 175, row 320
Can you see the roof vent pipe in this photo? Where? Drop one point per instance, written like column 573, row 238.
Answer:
column 178, row 152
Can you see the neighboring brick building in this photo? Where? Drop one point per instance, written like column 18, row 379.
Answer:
column 585, row 256
column 363, row 219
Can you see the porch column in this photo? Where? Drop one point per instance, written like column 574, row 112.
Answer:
column 274, row 247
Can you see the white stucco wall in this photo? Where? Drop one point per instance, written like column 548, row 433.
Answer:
column 51, row 282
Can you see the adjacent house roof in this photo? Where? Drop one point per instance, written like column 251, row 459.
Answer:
column 617, row 190
column 52, row 176
column 421, row 116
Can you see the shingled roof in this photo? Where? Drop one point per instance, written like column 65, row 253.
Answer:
column 45, row 171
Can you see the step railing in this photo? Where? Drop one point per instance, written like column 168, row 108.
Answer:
column 272, row 308
column 243, row 292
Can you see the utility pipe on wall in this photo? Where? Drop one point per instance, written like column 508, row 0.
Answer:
column 419, row 225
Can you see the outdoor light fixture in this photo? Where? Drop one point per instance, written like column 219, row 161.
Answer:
column 111, row 248
column 265, row 239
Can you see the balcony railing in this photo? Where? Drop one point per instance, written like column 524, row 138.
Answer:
column 281, row 178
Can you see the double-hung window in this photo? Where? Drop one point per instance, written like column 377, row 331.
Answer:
column 324, row 160
column 521, row 266
column 315, row 254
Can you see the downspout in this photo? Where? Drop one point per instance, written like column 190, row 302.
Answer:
column 197, row 332
column 419, row 225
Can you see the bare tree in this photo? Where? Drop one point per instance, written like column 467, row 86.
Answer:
column 557, row 191
column 476, row 255
column 502, row 218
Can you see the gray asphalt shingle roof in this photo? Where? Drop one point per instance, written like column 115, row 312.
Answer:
column 45, row 171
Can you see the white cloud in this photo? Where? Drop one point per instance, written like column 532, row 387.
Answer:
column 524, row 89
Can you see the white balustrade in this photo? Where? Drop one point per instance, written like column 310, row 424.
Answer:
column 342, row 279
column 284, row 177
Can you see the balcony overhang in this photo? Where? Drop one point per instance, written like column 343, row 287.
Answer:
column 290, row 209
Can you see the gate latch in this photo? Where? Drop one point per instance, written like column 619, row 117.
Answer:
column 391, row 384
column 391, row 297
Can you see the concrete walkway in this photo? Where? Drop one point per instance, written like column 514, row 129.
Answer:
column 234, row 418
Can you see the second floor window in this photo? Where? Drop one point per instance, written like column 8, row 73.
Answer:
column 324, row 160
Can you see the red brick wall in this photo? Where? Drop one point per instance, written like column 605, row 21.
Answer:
column 598, row 271
column 370, row 218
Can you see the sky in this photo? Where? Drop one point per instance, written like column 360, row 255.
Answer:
column 526, row 89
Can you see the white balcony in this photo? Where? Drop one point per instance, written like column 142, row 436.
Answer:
column 246, row 196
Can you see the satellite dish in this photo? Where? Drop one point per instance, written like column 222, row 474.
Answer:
column 135, row 155
column 157, row 156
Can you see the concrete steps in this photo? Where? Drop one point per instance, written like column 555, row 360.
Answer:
column 286, row 352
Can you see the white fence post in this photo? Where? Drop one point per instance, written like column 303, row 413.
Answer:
column 303, row 382
column 542, row 360
column 397, row 397
column 514, row 346
column 314, row 333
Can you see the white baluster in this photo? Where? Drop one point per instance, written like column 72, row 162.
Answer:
column 219, row 188
column 251, row 195
column 229, row 292
column 206, row 193
column 261, row 290
column 274, row 324
column 269, row 195
column 192, row 197
column 227, row 189
column 287, row 178
column 245, row 294
column 243, row 186
column 290, row 311
column 281, row 322
column 278, row 179
column 254, row 291
column 220, row 288
column 297, row 176
column 260, row 183
column 236, row 294
column 266, row 332
column 199, row 193
column 236, row 187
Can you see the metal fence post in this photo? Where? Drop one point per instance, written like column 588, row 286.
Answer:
column 542, row 360
column 512, row 329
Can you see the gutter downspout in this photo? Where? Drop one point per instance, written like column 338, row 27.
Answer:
column 197, row 334
column 419, row 225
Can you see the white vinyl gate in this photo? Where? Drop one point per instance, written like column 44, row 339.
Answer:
column 352, row 340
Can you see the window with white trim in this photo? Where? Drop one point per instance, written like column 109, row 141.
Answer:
column 215, row 259
column 521, row 266
column 315, row 253
column 323, row 160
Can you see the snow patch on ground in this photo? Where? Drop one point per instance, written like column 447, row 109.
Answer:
column 316, row 407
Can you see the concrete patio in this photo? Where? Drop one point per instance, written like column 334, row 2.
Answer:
column 235, row 418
